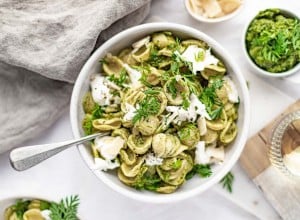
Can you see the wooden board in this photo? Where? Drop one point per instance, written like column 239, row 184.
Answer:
column 254, row 158
column 282, row 192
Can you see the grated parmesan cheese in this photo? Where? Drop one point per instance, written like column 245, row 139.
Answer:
column 179, row 114
column 152, row 160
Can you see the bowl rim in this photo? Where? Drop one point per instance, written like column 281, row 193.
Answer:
column 254, row 66
column 152, row 27
column 213, row 20
column 31, row 196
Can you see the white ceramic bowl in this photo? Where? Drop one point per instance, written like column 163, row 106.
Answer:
column 8, row 201
column 253, row 65
column 212, row 20
column 125, row 39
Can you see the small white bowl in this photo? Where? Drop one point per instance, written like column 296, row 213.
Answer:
column 258, row 70
column 123, row 40
column 212, row 20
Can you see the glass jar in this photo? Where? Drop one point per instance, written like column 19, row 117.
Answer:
column 285, row 145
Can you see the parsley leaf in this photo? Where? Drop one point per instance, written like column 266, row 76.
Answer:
column 200, row 169
column 66, row 209
column 227, row 181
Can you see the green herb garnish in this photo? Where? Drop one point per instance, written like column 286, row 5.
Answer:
column 20, row 208
column 200, row 169
column 97, row 112
column 211, row 100
column 66, row 209
column 199, row 56
column 150, row 105
column 148, row 182
column 227, row 181
column 177, row 164
column 172, row 88
column 119, row 81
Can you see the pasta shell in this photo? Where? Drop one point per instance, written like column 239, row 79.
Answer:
column 107, row 124
column 139, row 144
column 173, row 175
column 210, row 136
column 189, row 135
column 128, row 156
column 126, row 56
column 218, row 124
column 112, row 65
column 166, row 189
column 143, row 53
column 213, row 70
column 88, row 103
column 180, row 88
column 132, row 170
column 148, row 125
column 10, row 214
column 199, row 43
column 33, row 214
column 229, row 133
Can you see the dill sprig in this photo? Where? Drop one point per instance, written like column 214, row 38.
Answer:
column 119, row 81
column 150, row 105
column 227, row 181
column 66, row 209
column 211, row 100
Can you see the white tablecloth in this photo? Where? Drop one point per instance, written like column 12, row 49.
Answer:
column 66, row 173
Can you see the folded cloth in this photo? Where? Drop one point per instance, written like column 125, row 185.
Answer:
column 43, row 45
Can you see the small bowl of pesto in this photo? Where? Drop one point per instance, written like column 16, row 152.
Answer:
column 272, row 43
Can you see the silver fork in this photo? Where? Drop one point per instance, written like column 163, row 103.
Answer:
column 23, row 158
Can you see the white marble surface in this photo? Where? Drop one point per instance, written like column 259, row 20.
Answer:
column 67, row 174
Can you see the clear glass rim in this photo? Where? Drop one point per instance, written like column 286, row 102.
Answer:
column 275, row 152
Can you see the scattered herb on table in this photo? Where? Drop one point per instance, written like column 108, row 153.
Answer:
column 227, row 181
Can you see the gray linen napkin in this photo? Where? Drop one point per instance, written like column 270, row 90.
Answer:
column 43, row 45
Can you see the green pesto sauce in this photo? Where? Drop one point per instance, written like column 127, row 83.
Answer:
column 273, row 41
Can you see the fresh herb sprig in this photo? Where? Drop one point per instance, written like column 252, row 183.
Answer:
column 66, row 209
column 150, row 105
column 148, row 182
column 227, row 181
column 87, row 122
column 20, row 207
column 119, row 81
column 200, row 169
column 210, row 99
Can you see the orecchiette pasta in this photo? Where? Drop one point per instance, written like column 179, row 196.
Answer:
column 172, row 104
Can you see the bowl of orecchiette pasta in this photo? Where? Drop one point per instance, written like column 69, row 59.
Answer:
column 35, row 208
column 175, row 108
